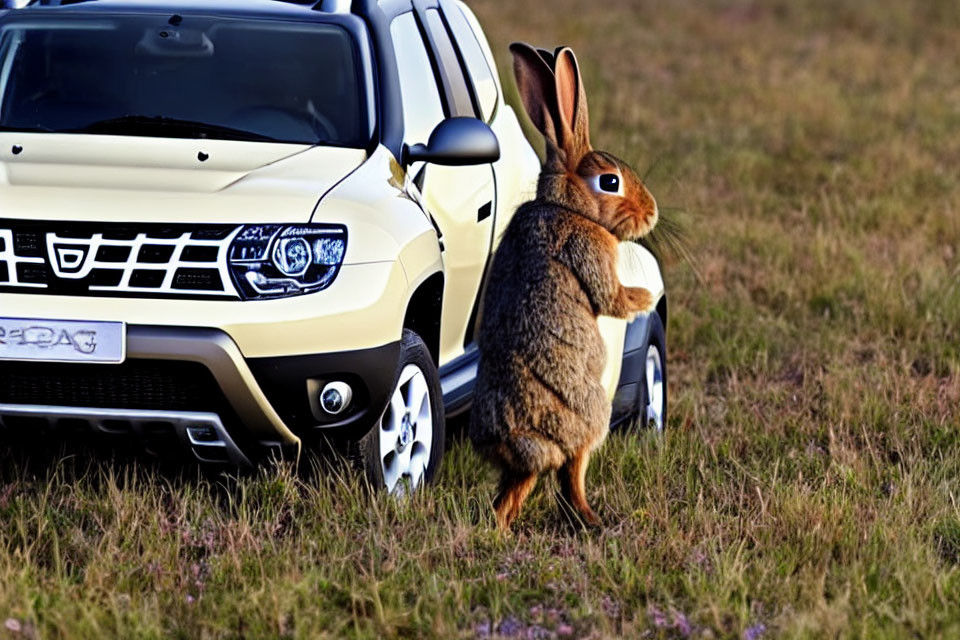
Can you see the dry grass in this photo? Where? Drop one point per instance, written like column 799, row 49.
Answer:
column 808, row 483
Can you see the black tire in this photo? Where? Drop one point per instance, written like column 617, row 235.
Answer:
column 656, row 337
column 413, row 351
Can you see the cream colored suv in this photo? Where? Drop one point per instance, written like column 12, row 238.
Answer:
column 227, row 229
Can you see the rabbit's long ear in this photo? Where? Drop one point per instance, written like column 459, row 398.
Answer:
column 572, row 105
column 536, row 83
column 547, row 57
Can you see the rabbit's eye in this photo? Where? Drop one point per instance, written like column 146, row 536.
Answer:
column 610, row 182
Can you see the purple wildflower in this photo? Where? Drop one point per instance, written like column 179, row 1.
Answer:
column 510, row 627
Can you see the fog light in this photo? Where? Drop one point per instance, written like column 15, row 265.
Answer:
column 336, row 397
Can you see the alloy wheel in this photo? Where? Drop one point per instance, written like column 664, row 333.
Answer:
column 406, row 433
column 654, row 411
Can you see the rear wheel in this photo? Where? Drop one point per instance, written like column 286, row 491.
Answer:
column 652, row 412
column 403, row 450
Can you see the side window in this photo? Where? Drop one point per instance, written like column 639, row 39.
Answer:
column 456, row 87
column 484, row 85
column 422, row 109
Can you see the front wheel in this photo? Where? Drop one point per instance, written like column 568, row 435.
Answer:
column 653, row 388
column 403, row 450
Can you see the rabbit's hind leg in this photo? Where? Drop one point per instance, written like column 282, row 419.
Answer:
column 572, row 476
column 514, row 489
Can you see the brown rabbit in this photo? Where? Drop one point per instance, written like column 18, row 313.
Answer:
column 539, row 401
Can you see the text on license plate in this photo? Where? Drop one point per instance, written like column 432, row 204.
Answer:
column 62, row 340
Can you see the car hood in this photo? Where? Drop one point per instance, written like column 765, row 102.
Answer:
column 75, row 177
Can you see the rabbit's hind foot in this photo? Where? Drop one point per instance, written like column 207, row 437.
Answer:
column 514, row 490
column 573, row 503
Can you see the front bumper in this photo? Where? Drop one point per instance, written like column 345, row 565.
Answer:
column 194, row 377
column 203, row 434
column 241, row 360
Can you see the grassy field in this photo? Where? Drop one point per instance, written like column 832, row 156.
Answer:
column 808, row 483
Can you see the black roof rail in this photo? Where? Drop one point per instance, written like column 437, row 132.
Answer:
column 331, row 6
column 327, row 6
column 13, row 4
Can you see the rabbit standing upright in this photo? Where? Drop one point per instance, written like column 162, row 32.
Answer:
column 540, row 405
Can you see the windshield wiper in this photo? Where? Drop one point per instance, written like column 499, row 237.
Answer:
column 166, row 127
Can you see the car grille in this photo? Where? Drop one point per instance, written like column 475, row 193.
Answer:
column 125, row 260
column 135, row 384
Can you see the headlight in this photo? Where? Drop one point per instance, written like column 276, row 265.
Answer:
column 274, row 261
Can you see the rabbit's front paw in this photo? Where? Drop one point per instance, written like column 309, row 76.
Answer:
column 641, row 300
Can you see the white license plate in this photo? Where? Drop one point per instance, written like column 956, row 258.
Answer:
column 62, row 340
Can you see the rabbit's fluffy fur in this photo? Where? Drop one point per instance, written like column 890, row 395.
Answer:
column 540, row 405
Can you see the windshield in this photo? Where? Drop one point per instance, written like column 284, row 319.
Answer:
column 182, row 77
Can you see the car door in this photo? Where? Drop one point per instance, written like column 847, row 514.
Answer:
column 461, row 200
column 518, row 168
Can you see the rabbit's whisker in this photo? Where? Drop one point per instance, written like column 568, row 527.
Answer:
column 651, row 168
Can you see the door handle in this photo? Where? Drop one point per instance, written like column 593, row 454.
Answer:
column 484, row 212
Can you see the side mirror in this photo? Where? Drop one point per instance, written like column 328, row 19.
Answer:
column 456, row 142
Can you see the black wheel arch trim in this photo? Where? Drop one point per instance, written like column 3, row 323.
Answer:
column 633, row 363
column 424, row 312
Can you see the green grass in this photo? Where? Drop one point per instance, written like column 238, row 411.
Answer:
column 808, row 483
